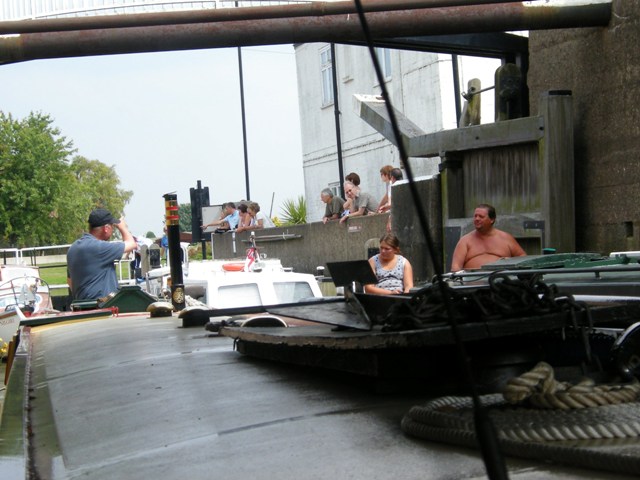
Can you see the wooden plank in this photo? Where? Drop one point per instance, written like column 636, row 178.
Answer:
column 519, row 130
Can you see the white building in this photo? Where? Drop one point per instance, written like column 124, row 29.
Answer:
column 420, row 86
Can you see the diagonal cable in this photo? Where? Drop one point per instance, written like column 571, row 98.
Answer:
column 487, row 437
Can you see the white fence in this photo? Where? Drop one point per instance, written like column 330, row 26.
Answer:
column 48, row 255
column 52, row 255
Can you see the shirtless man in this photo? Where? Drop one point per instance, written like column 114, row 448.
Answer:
column 485, row 244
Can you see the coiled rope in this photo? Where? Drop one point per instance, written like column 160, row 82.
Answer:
column 537, row 415
column 505, row 297
column 540, row 389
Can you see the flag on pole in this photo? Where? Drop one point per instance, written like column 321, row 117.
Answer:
column 252, row 256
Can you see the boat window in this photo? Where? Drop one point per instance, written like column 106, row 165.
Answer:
column 289, row 292
column 246, row 294
column 17, row 299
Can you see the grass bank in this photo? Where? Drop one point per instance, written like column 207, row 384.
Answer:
column 57, row 275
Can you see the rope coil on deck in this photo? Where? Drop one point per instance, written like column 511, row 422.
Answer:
column 506, row 297
column 564, row 413
column 541, row 390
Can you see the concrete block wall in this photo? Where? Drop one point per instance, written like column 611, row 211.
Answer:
column 601, row 66
column 318, row 243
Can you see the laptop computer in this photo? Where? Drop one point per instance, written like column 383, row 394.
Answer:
column 345, row 273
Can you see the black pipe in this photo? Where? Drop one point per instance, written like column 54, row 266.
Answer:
column 336, row 112
column 456, row 88
column 172, row 221
column 244, row 125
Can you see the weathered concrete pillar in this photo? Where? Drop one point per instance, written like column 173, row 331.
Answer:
column 407, row 227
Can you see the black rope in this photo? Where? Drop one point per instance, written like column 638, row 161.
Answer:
column 505, row 297
column 493, row 459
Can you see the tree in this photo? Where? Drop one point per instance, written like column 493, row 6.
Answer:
column 33, row 167
column 89, row 184
column 45, row 198
column 98, row 185
column 184, row 210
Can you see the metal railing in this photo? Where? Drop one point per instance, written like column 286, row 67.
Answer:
column 52, row 256
column 46, row 255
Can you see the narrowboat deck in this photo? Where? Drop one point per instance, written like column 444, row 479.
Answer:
column 138, row 397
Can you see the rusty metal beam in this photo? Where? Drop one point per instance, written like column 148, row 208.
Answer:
column 330, row 28
column 317, row 9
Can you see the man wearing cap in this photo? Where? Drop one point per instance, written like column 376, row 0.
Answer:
column 90, row 270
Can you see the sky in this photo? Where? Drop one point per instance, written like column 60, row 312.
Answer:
column 166, row 120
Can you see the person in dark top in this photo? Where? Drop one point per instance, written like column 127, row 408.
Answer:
column 91, row 272
column 334, row 208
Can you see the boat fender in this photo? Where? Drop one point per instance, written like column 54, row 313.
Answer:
column 193, row 310
column 160, row 309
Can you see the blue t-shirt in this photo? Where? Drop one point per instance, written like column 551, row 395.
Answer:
column 233, row 219
column 91, row 269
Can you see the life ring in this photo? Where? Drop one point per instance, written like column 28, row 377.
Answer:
column 233, row 267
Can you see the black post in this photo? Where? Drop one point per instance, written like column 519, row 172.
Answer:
column 199, row 199
column 172, row 221
column 336, row 113
column 244, row 125
column 456, row 87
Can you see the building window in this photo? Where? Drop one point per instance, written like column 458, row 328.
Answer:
column 335, row 188
column 384, row 58
column 326, row 70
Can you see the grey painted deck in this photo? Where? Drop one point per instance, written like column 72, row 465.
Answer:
column 139, row 398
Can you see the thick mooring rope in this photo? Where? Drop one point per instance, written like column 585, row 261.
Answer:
column 540, row 389
column 537, row 434
column 537, row 415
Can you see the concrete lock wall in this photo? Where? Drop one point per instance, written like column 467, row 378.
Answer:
column 306, row 247
column 601, row 66
column 314, row 244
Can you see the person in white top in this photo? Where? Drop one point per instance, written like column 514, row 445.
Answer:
column 394, row 175
column 385, row 176
column 259, row 219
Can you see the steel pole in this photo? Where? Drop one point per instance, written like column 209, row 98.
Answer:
column 244, row 125
column 225, row 14
column 336, row 114
column 331, row 28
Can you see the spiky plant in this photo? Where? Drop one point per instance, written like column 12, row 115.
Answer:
column 294, row 212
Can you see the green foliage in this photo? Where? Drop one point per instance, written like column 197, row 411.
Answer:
column 99, row 185
column 294, row 212
column 45, row 195
column 33, row 166
column 150, row 235
column 184, row 210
